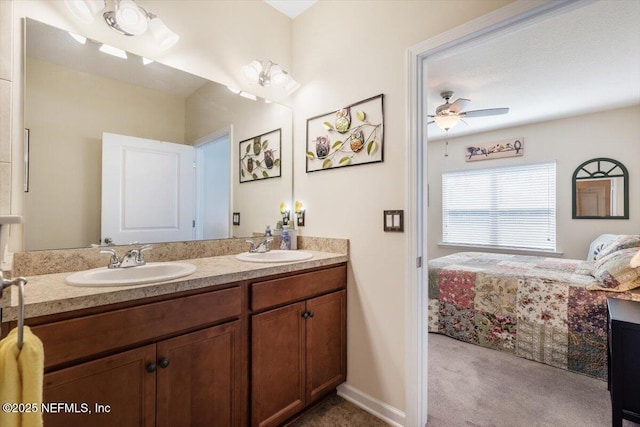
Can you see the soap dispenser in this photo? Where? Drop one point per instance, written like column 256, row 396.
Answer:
column 285, row 238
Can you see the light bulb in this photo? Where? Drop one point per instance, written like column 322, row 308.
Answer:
column 162, row 34
column 252, row 71
column 278, row 76
column 130, row 18
column 85, row 10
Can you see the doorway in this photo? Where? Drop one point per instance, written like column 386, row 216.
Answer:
column 213, row 187
column 418, row 188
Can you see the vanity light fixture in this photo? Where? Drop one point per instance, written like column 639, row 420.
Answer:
column 266, row 73
column 85, row 10
column 127, row 19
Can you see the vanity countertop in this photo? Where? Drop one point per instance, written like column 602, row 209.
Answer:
column 49, row 294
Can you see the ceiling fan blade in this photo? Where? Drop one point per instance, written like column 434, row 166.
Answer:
column 482, row 113
column 459, row 105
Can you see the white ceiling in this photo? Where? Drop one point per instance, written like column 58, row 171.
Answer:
column 291, row 8
column 577, row 61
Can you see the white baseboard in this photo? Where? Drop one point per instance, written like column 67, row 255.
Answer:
column 385, row 412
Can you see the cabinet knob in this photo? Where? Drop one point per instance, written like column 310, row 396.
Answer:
column 305, row 315
column 151, row 367
column 164, row 363
column 311, row 314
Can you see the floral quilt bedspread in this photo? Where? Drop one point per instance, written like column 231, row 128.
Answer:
column 535, row 307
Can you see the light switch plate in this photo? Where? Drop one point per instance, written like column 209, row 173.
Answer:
column 236, row 218
column 394, row 221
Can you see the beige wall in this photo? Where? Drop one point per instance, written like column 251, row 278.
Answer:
column 346, row 51
column 67, row 112
column 568, row 142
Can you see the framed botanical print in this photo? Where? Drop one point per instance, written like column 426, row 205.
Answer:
column 350, row 136
column 260, row 157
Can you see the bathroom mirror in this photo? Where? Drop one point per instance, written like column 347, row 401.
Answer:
column 601, row 190
column 74, row 92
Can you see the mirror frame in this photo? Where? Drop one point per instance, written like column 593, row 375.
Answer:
column 583, row 173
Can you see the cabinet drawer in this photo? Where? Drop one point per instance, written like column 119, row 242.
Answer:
column 74, row 339
column 301, row 286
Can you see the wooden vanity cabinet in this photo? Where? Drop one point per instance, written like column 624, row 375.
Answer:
column 247, row 353
column 298, row 348
column 193, row 378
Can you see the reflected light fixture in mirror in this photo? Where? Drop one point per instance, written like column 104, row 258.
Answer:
column 127, row 19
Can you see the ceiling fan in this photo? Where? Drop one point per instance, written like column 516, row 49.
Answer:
column 448, row 115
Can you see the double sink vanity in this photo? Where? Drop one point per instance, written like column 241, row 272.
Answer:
column 233, row 342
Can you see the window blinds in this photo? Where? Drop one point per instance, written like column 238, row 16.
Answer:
column 513, row 207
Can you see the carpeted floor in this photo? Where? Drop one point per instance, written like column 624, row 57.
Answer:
column 472, row 386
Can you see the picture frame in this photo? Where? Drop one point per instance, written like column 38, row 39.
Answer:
column 260, row 157
column 513, row 147
column 350, row 136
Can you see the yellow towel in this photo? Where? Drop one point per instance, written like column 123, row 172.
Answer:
column 21, row 377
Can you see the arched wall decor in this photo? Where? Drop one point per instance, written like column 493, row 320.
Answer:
column 600, row 190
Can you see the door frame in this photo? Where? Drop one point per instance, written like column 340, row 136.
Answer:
column 226, row 131
column 416, row 350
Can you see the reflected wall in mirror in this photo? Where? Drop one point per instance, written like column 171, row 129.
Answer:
column 74, row 93
column 601, row 190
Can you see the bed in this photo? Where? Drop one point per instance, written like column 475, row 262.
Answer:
column 543, row 309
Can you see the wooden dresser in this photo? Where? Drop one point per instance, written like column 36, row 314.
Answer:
column 623, row 323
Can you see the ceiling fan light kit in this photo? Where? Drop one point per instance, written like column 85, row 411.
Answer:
column 446, row 122
column 449, row 114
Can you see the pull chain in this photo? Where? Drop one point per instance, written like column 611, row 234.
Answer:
column 446, row 144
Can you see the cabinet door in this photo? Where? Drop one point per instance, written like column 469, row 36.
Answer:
column 200, row 377
column 277, row 364
column 120, row 383
column 326, row 343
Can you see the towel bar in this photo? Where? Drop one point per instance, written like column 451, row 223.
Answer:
column 19, row 282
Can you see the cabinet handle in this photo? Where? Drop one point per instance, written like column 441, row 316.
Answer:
column 151, row 367
column 305, row 315
column 164, row 363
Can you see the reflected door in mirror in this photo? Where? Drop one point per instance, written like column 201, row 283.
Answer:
column 594, row 198
column 147, row 190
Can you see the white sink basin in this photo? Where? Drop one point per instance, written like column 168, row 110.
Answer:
column 148, row 273
column 275, row 256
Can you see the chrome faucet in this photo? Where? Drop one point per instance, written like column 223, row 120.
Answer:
column 262, row 247
column 132, row 258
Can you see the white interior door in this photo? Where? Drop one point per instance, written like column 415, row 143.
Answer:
column 147, row 190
